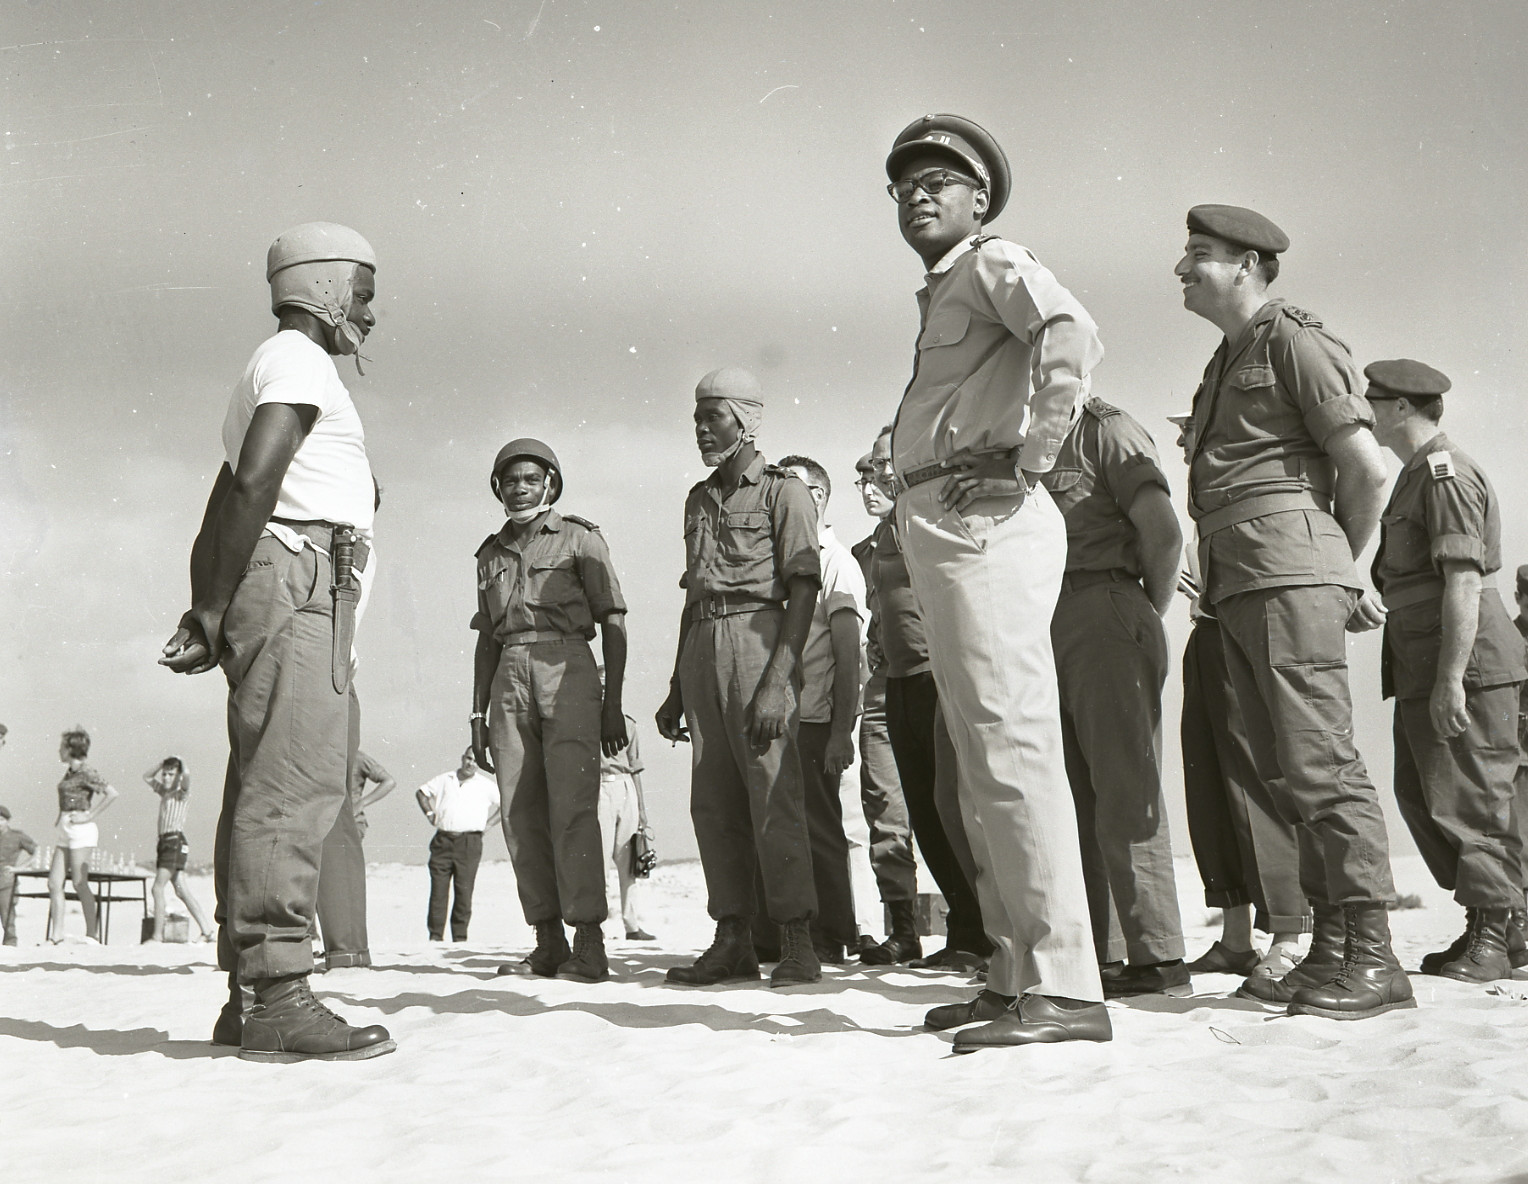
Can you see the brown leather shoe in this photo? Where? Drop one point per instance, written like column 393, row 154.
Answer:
column 288, row 1024
column 949, row 958
column 1035, row 1019
column 989, row 1005
column 1151, row 978
column 1221, row 959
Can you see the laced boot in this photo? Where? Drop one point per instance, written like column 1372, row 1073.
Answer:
column 1517, row 937
column 729, row 958
column 901, row 944
column 1434, row 962
column 229, row 1026
column 588, row 963
column 550, row 953
column 1370, row 980
column 1484, row 958
column 288, row 1024
column 798, row 960
column 1321, row 961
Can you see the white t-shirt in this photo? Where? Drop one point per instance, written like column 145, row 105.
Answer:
column 330, row 478
column 461, row 805
column 843, row 586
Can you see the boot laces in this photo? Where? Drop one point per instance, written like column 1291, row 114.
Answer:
column 307, row 1000
column 585, row 940
column 790, row 943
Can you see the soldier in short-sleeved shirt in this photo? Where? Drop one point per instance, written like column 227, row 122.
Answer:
column 544, row 580
column 1455, row 724
column 1111, row 664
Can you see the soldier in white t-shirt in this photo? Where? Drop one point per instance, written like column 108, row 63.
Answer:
column 276, row 572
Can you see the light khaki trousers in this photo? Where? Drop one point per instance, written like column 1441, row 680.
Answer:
column 986, row 584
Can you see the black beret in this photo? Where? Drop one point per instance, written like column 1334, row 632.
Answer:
column 952, row 135
column 1402, row 376
column 1243, row 228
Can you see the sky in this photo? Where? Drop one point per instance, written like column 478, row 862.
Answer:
column 579, row 209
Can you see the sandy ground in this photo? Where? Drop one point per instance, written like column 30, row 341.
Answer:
column 108, row 1074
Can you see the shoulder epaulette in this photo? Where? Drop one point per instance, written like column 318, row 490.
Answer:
column 1098, row 409
column 584, row 522
column 1440, row 465
column 484, row 545
column 1308, row 320
column 775, row 470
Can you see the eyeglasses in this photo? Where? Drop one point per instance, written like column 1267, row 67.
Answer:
column 930, row 182
column 863, row 483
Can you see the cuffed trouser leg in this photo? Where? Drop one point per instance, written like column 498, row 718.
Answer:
column 1111, row 661
column 748, row 806
column 288, row 732
column 986, row 585
column 835, row 920
column 544, row 725
column 912, row 721
column 1286, row 651
column 342, row 872
column 1456, row 796
column 881, row 800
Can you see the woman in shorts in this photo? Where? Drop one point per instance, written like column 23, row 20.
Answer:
column 172, row 783
column 82, row 795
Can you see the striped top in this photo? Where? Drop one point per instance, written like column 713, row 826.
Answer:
column 173, row 805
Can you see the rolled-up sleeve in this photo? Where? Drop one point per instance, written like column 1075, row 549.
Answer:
column 793, row 522
column 1456, row 521
column 1326, row 384
column 601, row 588
column 1127, row 460
column 1063, row 338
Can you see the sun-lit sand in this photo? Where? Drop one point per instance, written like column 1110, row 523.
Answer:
column 108, row 1074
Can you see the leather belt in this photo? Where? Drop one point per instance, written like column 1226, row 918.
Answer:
column 925, row 473
column 729, row 604
column 531, row 636
column 1260, row 506
column 348, row 554
column 321, row 534
column 1076, row 581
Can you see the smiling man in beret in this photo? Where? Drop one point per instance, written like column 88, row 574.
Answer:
column 1285, row 486
column 1453, row 662
column 1003, row 363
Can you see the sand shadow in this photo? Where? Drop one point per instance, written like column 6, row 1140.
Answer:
column 114, row 1042
column 1172, row 1005
column 16, row 967
column 818, row 1021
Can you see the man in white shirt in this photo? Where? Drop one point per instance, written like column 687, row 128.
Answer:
column 460, row 806
column 832, row 674
column 276, row 571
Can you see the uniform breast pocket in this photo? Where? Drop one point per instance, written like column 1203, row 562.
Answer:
column 1258, row 402
column 1063, row 485
column 746, row 540
column 493, row 587
column 946, row 327
column 552, row 581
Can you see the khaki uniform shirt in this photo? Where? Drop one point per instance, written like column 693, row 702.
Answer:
column 1104, row 461
column 1004, row 355
column 557, row 579
column 1268, row 404
column 1442, row 508
column 751, row 541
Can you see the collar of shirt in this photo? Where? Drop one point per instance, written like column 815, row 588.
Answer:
column 953, row 254
column 550, row 521
column 1249, row 330
column 825, row 535
column 749, row 476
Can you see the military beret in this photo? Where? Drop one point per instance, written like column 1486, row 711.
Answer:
column 1402, row 376
column 968, row 142
column 1522, row 578
column 1244, row 228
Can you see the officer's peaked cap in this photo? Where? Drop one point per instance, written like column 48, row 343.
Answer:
column 527, row 448
column 968, row 142
column 1402, row 376
column 1240, row 227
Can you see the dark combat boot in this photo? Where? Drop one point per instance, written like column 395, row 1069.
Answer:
column 550, row 953
column 1434, row 962
column 229, row 1026
column 588, row 963
column 1321, row 961
column 288, row 1024
column 1517, row 938
column 1484, row 957
column 798, row 960
column 1370, row 981
column 901, row 944
column 729, row 958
